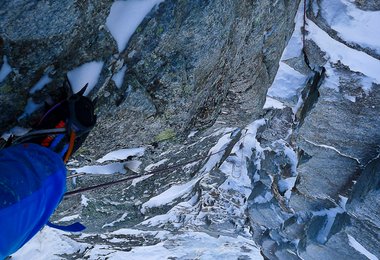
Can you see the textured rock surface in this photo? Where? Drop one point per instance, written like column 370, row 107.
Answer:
column 300, row 183
column 50, row 38
column 187, row 69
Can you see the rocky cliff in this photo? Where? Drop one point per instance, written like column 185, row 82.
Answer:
column 242, row 147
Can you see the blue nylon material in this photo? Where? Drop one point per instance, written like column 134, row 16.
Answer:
column 32, row 183
column 75, row 227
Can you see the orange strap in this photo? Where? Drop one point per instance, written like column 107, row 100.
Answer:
column 71, row 146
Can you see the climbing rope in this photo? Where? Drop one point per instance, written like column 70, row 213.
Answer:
column 132, row 177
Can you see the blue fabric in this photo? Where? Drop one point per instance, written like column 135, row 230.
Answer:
column 75, row 227
column 32, row 183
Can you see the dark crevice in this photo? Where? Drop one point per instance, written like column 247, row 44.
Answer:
column 310, row 95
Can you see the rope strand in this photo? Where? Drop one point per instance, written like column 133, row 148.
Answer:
column 153, row 172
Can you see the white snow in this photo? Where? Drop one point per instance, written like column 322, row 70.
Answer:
column 128, row 231
column 334, row 149
column 84, row 200
column 40, row 84
column 263, row 199
column 194, row 245
column 111, row 168
column 330, row 218
column 133, row 165
column 273, row 103
column 294, row 46
column 119, row 76
column 30, row 107
column 189, row 245
column 125, row 17
column 361, row 249
column 140, row 179
column 192, row 134
column 332, row 80
column 86, row 73
column 216, row 153
column 5, row 69
column 352, row 24
column 291, row 154
column 349, row 97
column 49, row 244
column 174, row 192
column 122, row 154
column 287, row 83
column 286, row 185
column 155, row 165
column 69, row 218
column 366, row 84
column 235, row 166
column 338, row 52
column 121, row 219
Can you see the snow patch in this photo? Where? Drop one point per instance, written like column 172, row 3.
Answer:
column 169, row 195
column 121, row 219
column 350, row 98
column 49, row 244
column 30, row 108
column 287, row 83
column 101, row 169
column 125, row 17
column 40, row 84
column 86, row 73
column 294, row 46
column 119, row 76
column 5, row 69
column 352, row 24
column 140, row 179
column 133, row 165
column 338, row 52
column 216, row 153
column 84, row 200
column 273, row 103
column 330, row 218
column 69, row 218
column 122, row 154
column 286, row 186
column 192, row 134
column 361, row 249
column 155, row 165
column 332, row 80
column 334, row 149
column 194, row 245
column 263, row 199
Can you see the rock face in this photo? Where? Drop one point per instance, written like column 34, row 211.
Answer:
column 300, row 181
column 46, row 38
column 188, row 68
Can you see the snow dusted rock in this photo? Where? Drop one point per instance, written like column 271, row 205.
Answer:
column 188, row 89
column 47, row 38
column 338, row 136
column 192, row 63
column 370, row 5
column 363, row 207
